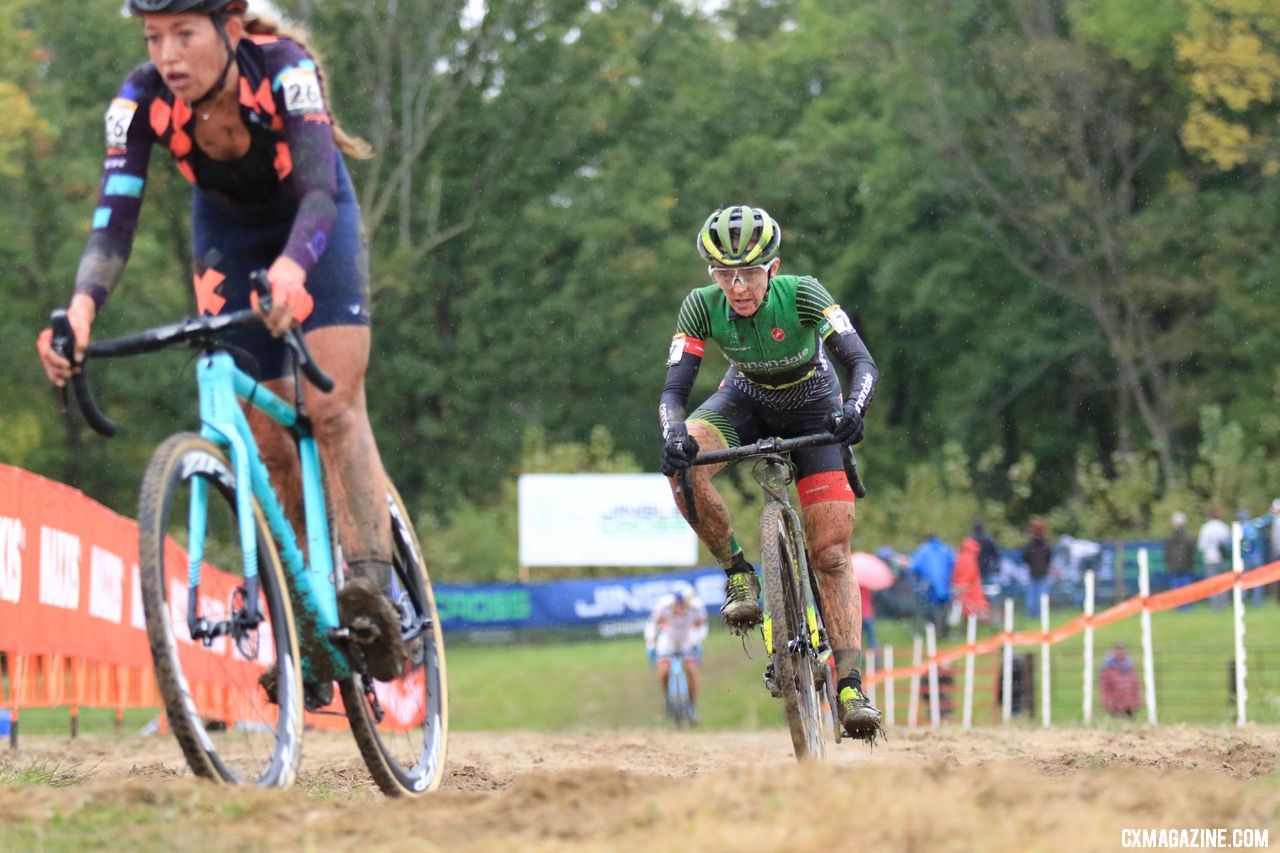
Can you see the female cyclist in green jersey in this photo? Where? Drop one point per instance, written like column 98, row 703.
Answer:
column 777, row 332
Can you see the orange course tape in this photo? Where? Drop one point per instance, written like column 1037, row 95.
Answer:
column 1167, row 600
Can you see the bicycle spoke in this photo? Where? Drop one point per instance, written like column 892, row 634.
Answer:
column 218, row 662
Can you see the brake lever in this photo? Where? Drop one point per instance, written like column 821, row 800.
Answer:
column 684, row 487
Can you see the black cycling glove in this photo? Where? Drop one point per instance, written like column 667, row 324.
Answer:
column 678, row 449
column 846, row 425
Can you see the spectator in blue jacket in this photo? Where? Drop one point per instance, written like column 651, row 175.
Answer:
column 933, row 563
column 1250, row 547
column 1268, row 527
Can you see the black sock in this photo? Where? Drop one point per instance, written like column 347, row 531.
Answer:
column 853, row 679
column 740, row 564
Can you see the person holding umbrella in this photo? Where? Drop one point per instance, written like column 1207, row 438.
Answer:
column 873, row 574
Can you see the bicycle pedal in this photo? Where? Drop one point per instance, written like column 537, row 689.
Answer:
column 771, row 682
column 363, row 631
column 373, row 625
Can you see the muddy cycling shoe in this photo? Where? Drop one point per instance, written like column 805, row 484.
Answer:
column 861, row 719
column 741, row 611
column 365, row 609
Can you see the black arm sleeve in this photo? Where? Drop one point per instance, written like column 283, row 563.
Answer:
column 693, row 329
column 850, row 351
column 675, row 391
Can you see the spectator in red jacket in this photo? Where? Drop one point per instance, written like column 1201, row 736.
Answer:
column 1119, row 683
column 966, row 582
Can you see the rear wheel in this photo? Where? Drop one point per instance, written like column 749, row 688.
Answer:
column 401, row 726
column 215, row 689
column 824, row 667
column 794, row 655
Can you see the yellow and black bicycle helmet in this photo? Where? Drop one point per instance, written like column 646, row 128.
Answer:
column 739, row 236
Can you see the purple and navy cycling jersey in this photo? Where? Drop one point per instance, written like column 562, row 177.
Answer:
column 289, row 194
column 291, row 167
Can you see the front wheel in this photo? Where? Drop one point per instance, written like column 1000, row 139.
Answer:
column 233, row 692
column 792, row 626
column 679, row 707
column 401, row 726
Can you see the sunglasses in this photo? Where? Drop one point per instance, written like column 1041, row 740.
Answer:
column 726, row 276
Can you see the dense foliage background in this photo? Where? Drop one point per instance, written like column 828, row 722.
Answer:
column 1055, row 223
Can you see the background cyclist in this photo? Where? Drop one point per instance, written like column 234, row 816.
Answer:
column 677, row 626
column 776, row 331
column 242, row 109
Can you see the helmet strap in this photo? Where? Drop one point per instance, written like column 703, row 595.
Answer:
column 219, row 23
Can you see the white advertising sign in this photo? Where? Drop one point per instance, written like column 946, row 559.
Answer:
column 602, row 520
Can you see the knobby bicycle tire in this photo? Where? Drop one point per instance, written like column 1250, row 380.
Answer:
column 678, row 693
column 793, row 667
column 234, row 734
column 825, row 670
column 405, row 763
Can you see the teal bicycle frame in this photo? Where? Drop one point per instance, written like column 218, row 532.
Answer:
column 222, row 385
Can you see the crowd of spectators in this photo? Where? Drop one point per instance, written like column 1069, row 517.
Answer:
column 940, row 586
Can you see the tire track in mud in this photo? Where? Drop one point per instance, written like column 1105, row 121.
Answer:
column 990, row 788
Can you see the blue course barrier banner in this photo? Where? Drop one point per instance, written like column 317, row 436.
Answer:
column 559, row 604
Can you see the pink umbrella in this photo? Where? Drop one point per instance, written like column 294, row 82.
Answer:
column 872, row 572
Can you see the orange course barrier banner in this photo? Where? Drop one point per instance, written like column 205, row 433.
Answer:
column 1168, row 600
column 71, row 613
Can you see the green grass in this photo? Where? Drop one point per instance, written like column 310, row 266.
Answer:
column 57, row 721
column 599, row 684
column 41, row 771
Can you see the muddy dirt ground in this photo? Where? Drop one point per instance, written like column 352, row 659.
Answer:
column 988, row 789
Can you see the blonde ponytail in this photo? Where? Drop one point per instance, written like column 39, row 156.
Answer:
column 262, row 25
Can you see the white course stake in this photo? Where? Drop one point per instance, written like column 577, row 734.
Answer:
column 931, row 641
column 1088, row 648
column 1044, row 656
column 1237, row 603
column 888, row 685
column 1006, row 683
column 913, row 701
column 1148, row 657
column 871, row 677
column 971, row 637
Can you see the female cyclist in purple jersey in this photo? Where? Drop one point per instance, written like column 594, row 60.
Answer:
column 242, row 109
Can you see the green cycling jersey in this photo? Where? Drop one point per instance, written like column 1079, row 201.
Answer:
column 780, row 351
column 776, row 346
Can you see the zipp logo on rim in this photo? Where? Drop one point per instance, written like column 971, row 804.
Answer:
column 208, row 465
